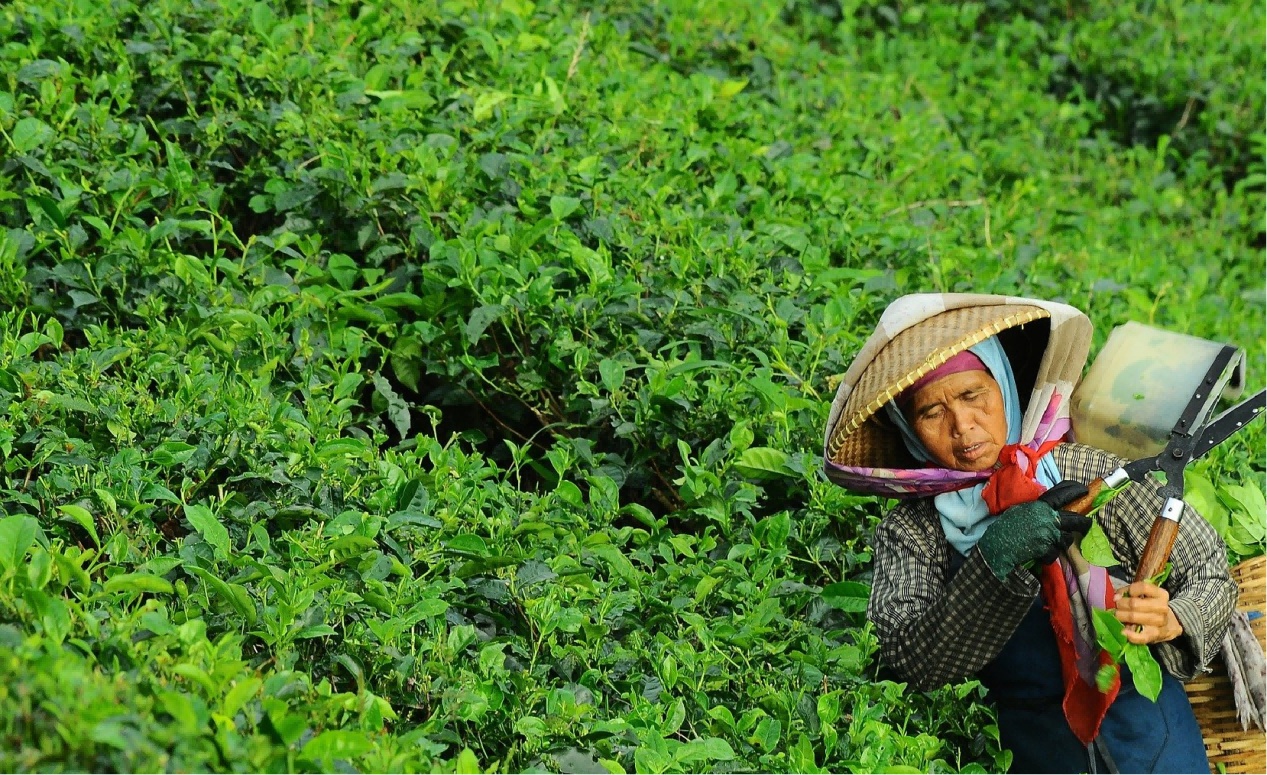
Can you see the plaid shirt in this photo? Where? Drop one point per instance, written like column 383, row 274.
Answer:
column 937, row 627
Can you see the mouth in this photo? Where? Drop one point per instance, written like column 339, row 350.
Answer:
column 973, row 451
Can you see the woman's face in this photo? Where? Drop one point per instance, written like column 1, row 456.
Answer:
column 962, row 420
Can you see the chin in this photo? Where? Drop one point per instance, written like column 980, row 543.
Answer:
column 984, row 463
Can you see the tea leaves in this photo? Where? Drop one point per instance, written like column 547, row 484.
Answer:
column 429, row 386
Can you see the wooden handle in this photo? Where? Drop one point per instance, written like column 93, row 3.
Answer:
column 1083, row 504
column 1160, row 541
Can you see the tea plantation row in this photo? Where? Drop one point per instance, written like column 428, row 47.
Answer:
column 439, row 386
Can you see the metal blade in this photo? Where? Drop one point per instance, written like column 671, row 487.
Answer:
column 1192, row 421
column 1228, row 423
column 1136, row 470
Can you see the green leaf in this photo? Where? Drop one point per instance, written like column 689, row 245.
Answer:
column 347, row 386
column 620, row 564
column 426, row 608
column 774, row 530
column 705, row 585
column 138, row 582
column 769, row 731
column 50, row 208
column 233, row 594
column 39, row 571
column 263, row 19
column 531, row 727
column 1201, row 494
column 315, row 631
column 648, row 760
column 706, row 750
column 801, row 755
column 333, row 448
column 406, row 361
column 287, row 726
column 172, row 453
column 336, row 744
column 343, row 269
column 397, row 409
column 213, row 532
column 85, row 520
column 467, row 544
column 71, row 403
column 790, row 236
column 1249, row 518
column 29, row 134
column 613, row 374
column 242, row 691
column 467, row 764
column 479, row 321
column 17, row 533
column 764, row 463
column 1144, row 669
column 1250, row 498
column 849, row 596
column 563, row 206
column 740, row 437
column 485, row 103
column 1104, row 677
column 729, row 89
column 157, row 492
column 1095, row 547
column 569, row 493
column 1108, row 632
column 1105, row 495
column 51, row 612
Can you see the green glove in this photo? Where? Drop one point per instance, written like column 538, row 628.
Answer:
column 1021, row 534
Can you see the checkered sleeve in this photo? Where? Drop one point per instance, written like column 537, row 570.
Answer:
column 933, row 631
column 1202, row 591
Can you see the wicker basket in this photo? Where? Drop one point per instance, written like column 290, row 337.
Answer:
column 1211, row 694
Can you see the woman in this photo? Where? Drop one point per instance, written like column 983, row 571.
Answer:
column 958, row 405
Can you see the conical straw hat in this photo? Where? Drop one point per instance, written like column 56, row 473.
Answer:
column 864, row 438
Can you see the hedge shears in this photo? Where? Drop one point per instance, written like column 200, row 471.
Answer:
column 1191, row 438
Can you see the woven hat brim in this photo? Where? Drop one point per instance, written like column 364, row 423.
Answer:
column 859, row 438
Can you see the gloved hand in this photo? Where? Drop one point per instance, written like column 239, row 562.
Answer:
column 1033, row 531
column 1072, row 524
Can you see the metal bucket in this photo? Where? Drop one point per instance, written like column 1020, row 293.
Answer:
column 1139, row 384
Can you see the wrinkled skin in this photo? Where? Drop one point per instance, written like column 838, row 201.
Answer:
column 962, row 420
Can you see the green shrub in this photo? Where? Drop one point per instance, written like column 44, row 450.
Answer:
column 440, row 385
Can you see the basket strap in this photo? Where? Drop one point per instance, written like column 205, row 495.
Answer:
column 1097, row 746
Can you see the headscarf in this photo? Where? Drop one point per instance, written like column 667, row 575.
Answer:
column 964, row 513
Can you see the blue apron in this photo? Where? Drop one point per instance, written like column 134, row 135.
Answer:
column 1025, row 682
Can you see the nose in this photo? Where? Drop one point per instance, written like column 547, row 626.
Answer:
column 961, row 421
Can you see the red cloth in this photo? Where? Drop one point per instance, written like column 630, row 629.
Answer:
column 1013, row 481
column 1084, row 704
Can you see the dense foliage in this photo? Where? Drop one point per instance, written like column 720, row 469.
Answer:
column 431, row 385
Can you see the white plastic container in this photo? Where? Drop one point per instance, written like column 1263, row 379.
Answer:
column 1139, row 385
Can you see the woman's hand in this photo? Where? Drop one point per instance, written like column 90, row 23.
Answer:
column 1145, row 610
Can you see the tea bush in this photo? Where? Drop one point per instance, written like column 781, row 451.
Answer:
column 440, row 385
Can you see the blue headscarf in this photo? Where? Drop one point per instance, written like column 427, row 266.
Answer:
column 964, row 515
